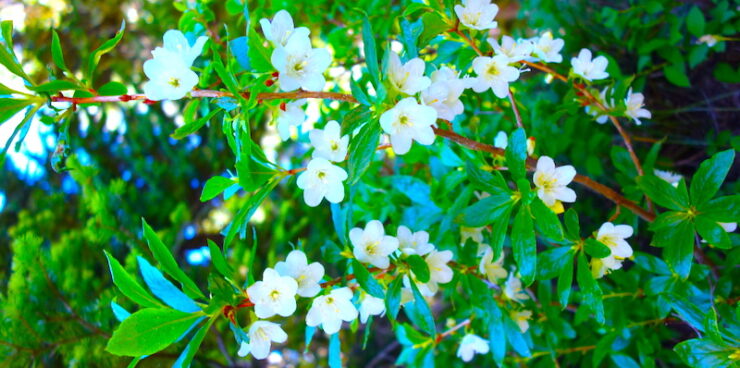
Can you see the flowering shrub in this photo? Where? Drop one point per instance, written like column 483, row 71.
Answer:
column 412, row 181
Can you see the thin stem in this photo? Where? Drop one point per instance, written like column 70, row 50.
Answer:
column 204, row 93
column 516, row 109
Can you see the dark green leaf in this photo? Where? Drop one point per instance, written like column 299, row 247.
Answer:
column 595, row 248
column 722, row 209
column 524, row 245
column 366, row 280
column 709, row 177
column 218, row 259
column 355, row 118
column 590, row 292
column 426, row 320
column 487, row 210
column 149, row 330
column 187, row 355
column 516, row 154
column 491, row 182
column 712, row 232
column 393, row 298
column 679, row 247
column 551, row 262
column 695, row 21
column 572, row 226
column 371, row 51
column 546, row 220
column 192, row 127
column 246, row 212
column 565, row 281
column 419, row 267
column 661, row 192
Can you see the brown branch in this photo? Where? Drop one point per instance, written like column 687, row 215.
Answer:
column 516, row 109
column 203, row 93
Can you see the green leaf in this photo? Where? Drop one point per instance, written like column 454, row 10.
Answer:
column 149, row 330
column 192, row 127
column 393, row 298
column 259, row 55
column 709, row 177
column 362, row 149
column 487, row 210
column 5, row 90
column 712, row 232
column 676, row 74
column 11, row 106
column 595, row 248
column 722, row 209
column 366, row 280
column 496, row 328
column 129, row 286
column 590, row 292
column 700, row 353
column 355, row 118
column 214, row 186
column 335, row 351
column 107, row 46
column 358, row 94
column 546, row 220
column 695, row 21
column 565, row 280
column 112, row 89
column 679, row 247
column 498, row 232
column 419, row 267
column 434, row 24
column 371, row 51
column 661, row 192
column 572, row 226
column 426, row 322
column 552, row 261
column 219, row 261
column 56, row 51
column 524, row 245
column 491, row 182
column 516, row 154
column 167, row 262
column 7, row 59
column 187, row 355
column 56, row 86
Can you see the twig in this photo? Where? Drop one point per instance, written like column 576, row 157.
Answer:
column 516, row 109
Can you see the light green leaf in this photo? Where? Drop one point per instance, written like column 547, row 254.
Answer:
column 419, row 267
column 107, row 46
column 129, row 286
column 709, row 177
column 192, row 127
column 149, row 330
column 366, row 280
column 371, row 51
column 214, row 186
column 56, row 51
column 362, row 149
column 695, row 21
column 524, row 245
column 218, row 259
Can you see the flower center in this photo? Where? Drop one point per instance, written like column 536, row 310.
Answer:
column 334, row 145
column 371, row 248
column 404, row 120
column 274, row 295
column 492, row 70
column 321, row 175
column 174, row 82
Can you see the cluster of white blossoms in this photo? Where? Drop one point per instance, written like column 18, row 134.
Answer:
column 589, row 69
column 634, row 107
column 322, row 179
column 552, row 183
column 299, row 64
column 613, row 236
column 470, row 345
column 169, row 71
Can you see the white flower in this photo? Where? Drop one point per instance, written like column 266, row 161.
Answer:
column 670, row 177
column 372, row 245
column 328, row 143
column 306, row 275
column 515, row 51
column 728, row 226
column 602, row 266
column 439, row 271
column 548, row 49
column 408, row 78
column 175, row 43
column 709, row 39
column 371, row 306
column 322, row 180
column 330, row 310
column 589, row 69
column 425, row 289
column 475, row 233
column 477, row 14
column 635, row 110
column 494, row 73
column 502, row 141
column 290, row 115
column 513, row 289
column 409, row 121
column 551, row 182
column 273, row 295
column 261, row 334
column 413, row 243
column 613, row 237
column 169, row 77
column 281, row 29
column 470, row 345
column 444, row 93
column 493, row 270
column 299, row 65
column 522, row 319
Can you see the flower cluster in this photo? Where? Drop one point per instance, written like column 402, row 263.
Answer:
column 169, row 71
column 613, row 236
